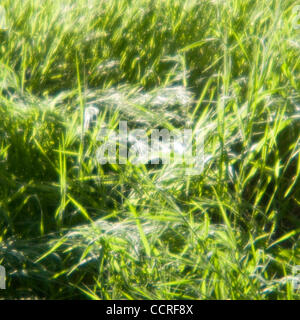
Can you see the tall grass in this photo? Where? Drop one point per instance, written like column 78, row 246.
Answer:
column 72, row 228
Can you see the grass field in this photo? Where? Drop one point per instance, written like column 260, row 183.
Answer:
column 71, row 228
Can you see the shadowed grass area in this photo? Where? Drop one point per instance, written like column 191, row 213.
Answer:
column 72, row 228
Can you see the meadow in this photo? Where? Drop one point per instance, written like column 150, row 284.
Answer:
column 71, row 228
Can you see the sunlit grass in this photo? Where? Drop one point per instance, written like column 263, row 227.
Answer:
column 71, row 228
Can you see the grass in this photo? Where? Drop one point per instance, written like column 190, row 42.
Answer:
column 72, row 228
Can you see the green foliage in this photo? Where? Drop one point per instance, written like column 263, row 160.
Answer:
column 71, row 228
